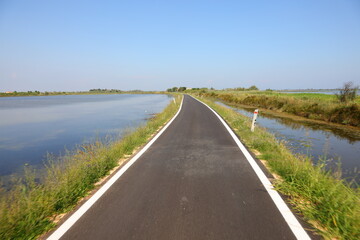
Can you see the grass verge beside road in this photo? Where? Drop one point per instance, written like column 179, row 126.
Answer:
column 325, row 201
column 31, row 208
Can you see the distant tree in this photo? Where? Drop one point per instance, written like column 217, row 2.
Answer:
column 174, row 89
column 347, row 93
column 181, row 89
column 239, row 89
column 253, row 88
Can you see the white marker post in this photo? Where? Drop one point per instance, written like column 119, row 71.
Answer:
column 254, row 119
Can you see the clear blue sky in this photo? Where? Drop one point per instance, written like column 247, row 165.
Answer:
column 153, row 45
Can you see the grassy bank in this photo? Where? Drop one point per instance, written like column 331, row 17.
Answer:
column 309, row 105
column 325, row 201
column 30, row 208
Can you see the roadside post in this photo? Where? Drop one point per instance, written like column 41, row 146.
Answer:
column 254, row 119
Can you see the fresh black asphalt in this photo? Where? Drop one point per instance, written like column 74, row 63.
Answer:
column 192, row 183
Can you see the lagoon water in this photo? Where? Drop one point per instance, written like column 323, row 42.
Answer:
column 31, row 127
column 335, row 144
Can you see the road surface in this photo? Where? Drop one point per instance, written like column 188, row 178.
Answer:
column 192, row 183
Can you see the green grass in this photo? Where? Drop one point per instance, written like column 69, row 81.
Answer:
column 325, row 201
column 308, row 105
column 30, row 208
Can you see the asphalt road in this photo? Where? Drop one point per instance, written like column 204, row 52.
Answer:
column 192, row 183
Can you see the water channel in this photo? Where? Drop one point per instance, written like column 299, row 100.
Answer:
column 319, row 141
column 31, row 127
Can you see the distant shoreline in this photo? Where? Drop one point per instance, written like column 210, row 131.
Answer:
column 38, row 94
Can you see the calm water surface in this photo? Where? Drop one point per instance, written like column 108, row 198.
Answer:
column 315, row 140
column 30, row 127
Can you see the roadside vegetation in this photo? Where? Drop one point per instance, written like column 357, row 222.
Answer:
column 315, row 106
column 328, row 203
column 31, row 208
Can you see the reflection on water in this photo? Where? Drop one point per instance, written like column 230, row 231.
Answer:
column 316, row 140
column 32, row 126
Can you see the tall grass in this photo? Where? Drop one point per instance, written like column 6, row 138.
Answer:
column 30, row 208
column 325, row 201
column 309, row 105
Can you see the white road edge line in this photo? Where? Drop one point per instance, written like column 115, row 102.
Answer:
column 87, row 205
column 289, row 217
